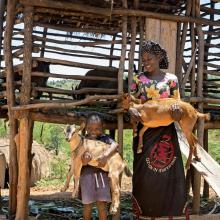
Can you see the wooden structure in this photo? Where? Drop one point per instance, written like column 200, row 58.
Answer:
column 63, row 33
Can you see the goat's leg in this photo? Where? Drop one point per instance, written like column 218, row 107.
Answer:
column 115, row 191
column 187, row 127
column 76, row 172
column 69, row 175
column 140, row 141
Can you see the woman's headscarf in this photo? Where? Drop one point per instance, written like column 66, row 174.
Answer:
column 156, row 49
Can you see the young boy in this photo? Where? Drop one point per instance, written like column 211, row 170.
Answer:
column 94, row 182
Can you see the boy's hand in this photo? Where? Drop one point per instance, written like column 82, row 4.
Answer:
column 86, row 157
column 102, row 160
column 176, row 112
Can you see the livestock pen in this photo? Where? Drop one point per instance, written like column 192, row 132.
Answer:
column 100, row 35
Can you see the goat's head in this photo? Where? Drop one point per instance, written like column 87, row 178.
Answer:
column 126, row 100
column 71, row 130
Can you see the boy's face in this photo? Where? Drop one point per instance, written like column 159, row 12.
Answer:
column 94, row 129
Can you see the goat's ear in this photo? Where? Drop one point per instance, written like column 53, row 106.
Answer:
column 82, row 126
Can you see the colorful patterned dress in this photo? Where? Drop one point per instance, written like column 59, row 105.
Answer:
column 158, row 173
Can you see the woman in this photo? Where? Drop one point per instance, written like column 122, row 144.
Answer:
column 158, row 179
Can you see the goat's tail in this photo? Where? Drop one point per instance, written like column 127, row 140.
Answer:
column 127, row 171
column 206, row 116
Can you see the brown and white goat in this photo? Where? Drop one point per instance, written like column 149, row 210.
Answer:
column 155, row 113
column 114, row 166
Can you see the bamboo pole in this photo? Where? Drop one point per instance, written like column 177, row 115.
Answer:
column 25, row 122
column 13, row 171
column 200, row 128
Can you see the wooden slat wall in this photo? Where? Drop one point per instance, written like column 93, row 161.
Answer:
column 163, row 32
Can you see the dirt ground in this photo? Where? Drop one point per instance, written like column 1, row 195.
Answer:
column 53, row 204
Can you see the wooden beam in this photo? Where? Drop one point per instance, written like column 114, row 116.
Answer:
column 117, row 12
column 13, row 164
column 200, row 124
column 74, row 77
column 65, row 105
column 25, row 122
column 74, row 64
column 71, row 92
column 2, row 12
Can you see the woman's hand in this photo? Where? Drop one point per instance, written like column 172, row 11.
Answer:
column 102, row 160
column 86, row 157
column 176, row 112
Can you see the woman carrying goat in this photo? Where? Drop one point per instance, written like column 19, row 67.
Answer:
column 158, row 173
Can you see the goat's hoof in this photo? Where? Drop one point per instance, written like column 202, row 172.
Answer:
column 139, row 150
column 73, row 194
column 197, row 158
column 113, row 209
column 63, row 189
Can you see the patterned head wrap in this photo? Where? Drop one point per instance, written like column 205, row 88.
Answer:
column 156, row 49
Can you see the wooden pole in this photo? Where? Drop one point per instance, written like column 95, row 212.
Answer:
column 117, row 12
column 13, row 171
column 182, row 45
column 120, row 87
column 132, row 50
column 200, row 128
column 206, row 147
column 112, row 50
column 2, row 11
column 43, row 42
column 142, row 24
column 25, row 122
column 193, row 43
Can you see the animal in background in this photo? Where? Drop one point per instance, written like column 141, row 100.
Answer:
column 114, row 166
column 155, row 113
column 98, row 83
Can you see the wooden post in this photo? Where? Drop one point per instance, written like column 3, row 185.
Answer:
column 182, row 45
column 200, row 128
column 13, row 171
column 206, row 147
column 2, row 11
column 25, row 122
column 132, row 50
column 43, row 43
column 120, row 87
column 112, row 49
column 142, row 24
column 193, row 43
